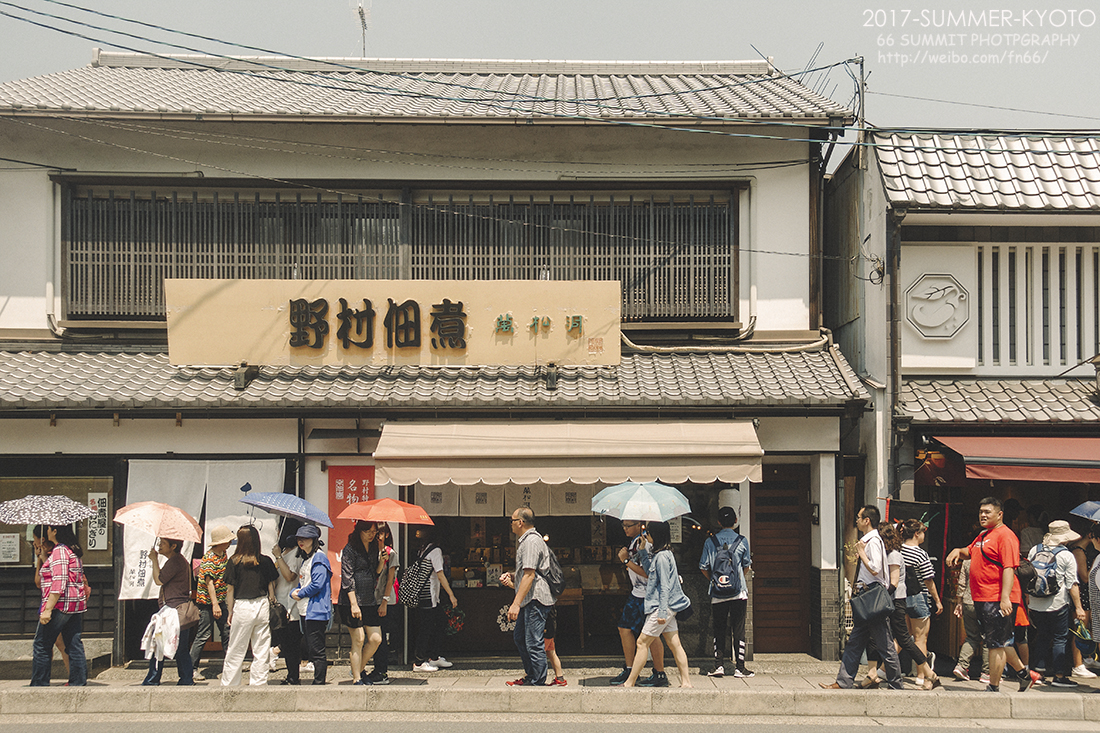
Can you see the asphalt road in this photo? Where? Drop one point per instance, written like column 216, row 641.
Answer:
column 507, row 723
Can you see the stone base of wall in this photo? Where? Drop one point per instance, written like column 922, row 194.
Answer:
column 825, row 631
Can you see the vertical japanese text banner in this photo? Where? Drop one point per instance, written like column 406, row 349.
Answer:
column 347, row 485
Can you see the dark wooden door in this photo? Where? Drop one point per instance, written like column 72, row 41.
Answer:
column 780, row 541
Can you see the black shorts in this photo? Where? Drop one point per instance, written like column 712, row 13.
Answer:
column 551, row 624
column 999, row 631
column 633, row 615
column 370, row 617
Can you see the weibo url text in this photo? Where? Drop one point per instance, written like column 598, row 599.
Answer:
column 988, row 18
column 936, row 57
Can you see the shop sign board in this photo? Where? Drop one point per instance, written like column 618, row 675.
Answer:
column 392, row 322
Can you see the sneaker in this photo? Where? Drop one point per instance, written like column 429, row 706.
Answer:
column 620, row 678
column 984, row 679
column 441, row 663
column 1029, row 677
column 521, row 682
column 308, row 667
column 657, row 679
column 742, row 672
column 1063, row 682
column 378, row 678
column 1081, row 671
column 1092, row 664
column 362, row 681
column 992, row 688
column 718, row 671
column 425, row 667
column 557, row 682
column 960, row 674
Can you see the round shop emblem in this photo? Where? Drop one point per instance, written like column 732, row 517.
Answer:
column 937, row 305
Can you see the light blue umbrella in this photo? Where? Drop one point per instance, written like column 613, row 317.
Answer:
column 1089, row 510
column 648, row 502
column 287, row 505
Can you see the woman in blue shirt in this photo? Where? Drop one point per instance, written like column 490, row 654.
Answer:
column 664, row 599
column 315, row 590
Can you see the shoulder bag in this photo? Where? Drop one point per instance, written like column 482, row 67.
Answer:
column 871, row 604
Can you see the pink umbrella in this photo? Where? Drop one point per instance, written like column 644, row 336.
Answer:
column 386, row 510
column 160, row 520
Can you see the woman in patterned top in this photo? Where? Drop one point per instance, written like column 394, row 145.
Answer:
column 63, row 605
column 210, row 594
column 918, row 606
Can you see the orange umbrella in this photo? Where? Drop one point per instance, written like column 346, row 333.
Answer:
column 160, row 520
column 386, row 510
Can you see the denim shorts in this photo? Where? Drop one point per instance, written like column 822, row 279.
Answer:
column 917, row 607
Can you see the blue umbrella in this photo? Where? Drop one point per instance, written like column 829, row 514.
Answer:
column 287, row 505
column 1089, row 510
column 648, row 502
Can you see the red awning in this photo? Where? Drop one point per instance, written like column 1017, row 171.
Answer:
column 1074, row 460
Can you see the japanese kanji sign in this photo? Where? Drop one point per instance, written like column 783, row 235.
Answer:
column 392, row 322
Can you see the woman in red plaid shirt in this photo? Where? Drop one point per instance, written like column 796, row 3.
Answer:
column 63, row 605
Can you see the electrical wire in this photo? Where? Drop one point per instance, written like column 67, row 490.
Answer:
column 984, row 106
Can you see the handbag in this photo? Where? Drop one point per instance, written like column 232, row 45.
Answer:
column 873, row 603
column 188, row 613
column 414, row 581
column 277, row 617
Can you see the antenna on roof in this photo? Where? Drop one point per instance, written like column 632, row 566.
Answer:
column 364, row 22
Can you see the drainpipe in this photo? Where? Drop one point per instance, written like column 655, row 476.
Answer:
column 893, row 270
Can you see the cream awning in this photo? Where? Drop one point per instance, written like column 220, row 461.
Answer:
column 553, row 451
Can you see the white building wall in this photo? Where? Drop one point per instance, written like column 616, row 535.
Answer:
column 148, row 437
column 775, row 287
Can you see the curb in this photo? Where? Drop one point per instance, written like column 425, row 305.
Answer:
column 575, row 700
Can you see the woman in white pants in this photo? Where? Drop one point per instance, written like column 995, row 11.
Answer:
column 250, row 577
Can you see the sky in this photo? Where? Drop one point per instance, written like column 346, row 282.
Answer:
column 999, row 65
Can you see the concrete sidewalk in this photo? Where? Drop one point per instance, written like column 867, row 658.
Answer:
column 781, row 688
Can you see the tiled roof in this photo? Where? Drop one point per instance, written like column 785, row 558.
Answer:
column 965, row 171
column 969, row 401
column 425, row 89
column 84, row 380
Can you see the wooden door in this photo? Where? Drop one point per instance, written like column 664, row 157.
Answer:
column 780, row 542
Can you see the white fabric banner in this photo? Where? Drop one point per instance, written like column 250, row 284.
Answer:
column 480, row 500
column 536, row 496
column 178, row 483
column 571, row 499
column 438, row 501
column 223, row 497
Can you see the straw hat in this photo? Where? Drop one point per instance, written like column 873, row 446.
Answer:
column 1059, row 533
column 221, row 535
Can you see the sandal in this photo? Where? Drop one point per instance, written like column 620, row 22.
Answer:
column 932, row 683
column 870, row 683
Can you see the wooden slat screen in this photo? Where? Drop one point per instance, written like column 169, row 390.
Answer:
column 676, row 255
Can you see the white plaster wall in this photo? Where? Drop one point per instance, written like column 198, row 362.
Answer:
column 146, row 437
column 777, row 214
column 27, row 246
column 823, row 492
column 799, row 434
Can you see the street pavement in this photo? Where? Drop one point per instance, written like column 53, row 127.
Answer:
column 783, row 686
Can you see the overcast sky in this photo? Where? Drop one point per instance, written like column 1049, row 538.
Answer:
column 979, row 61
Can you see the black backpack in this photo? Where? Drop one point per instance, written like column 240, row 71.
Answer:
column 725, row 577
column 415, row 585
column 914, row 586
column 554, row 576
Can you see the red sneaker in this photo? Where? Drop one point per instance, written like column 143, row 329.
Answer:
column 557, row 682
column 519, row 683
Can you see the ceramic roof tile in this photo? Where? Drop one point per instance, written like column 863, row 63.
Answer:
column 127, row 83
column 992, row 400
column 62, row 380
column 998, row 172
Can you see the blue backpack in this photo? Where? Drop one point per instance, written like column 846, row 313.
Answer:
column 1045, row 582
column 725, row 575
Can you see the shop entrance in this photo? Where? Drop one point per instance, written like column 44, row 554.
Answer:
column 780, row 528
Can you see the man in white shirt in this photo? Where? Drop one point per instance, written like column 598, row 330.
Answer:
column 1050, row 614
column 872, row 569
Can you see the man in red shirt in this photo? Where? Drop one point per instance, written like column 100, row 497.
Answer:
column 994, row 556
